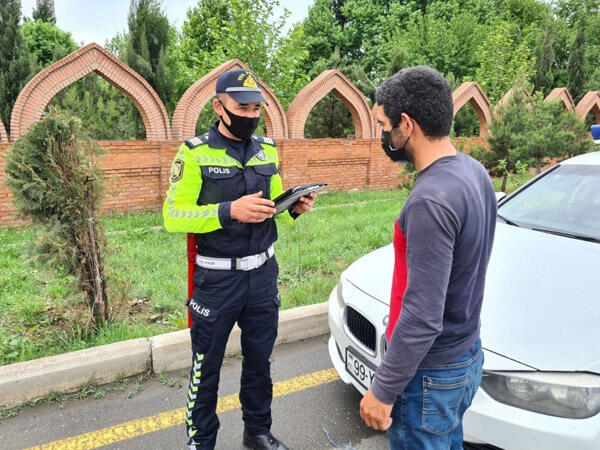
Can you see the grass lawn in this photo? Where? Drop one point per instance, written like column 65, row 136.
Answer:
column 42, row 313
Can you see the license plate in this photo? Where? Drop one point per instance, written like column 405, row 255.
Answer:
column 360, row 370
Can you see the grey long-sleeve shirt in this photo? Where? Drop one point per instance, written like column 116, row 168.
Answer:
column 443, row 239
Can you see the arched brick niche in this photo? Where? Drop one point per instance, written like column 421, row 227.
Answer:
column 196, row 97
column 3, row 135
column 589, row 102
column 335, row 82
column 471, row 92
column 36, row 95
column 563, row 95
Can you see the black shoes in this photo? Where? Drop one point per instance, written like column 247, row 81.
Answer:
column 263, row 442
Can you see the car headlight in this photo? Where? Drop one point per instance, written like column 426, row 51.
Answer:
column 339, row 293
column 572, row 395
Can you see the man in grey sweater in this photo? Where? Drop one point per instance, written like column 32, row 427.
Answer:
column 442, row 241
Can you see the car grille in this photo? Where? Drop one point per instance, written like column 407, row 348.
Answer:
column 361, row 328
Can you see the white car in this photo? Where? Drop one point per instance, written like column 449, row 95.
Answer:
column 540, row 319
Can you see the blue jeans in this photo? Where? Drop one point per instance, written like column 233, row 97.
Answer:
column 428, row 414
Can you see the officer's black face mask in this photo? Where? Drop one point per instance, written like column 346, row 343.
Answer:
column 395, row 154
column 240, row 126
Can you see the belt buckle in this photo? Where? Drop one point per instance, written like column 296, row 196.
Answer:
column 249, row 262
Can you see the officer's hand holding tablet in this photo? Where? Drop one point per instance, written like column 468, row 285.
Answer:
column 286, row 200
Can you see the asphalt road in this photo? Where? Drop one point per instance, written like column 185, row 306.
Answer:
column 310, row 404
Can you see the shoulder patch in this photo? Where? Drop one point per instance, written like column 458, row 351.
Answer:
column 265, row 140
column 196, row 141
column 177, row 170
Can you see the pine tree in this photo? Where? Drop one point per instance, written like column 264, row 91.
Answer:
column 53, row 173
column 577, row 69
column 543, row 78
column 44, row 13
column 506, row 128
column 15, row 62
column 148, row 45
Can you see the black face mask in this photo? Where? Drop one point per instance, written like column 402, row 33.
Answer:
column 241, row 127
column 395, row 154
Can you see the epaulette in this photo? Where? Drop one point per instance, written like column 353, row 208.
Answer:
column 196, row 141
column 265, row 140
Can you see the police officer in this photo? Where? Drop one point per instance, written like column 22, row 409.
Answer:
column 221, row 188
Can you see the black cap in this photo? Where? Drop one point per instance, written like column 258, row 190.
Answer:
column 242, row 85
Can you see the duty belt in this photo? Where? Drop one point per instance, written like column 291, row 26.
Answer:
column 246, row 263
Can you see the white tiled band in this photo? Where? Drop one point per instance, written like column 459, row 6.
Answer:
column 246, row 263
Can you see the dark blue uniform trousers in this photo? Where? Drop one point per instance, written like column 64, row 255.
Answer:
column 221, row 298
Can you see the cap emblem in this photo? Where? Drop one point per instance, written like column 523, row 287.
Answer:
column 250, row 81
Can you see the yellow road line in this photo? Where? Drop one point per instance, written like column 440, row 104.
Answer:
column 134, row 428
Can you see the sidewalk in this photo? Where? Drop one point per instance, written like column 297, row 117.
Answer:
column 26, row 381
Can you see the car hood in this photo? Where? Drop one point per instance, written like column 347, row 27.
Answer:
column 372, row 273
column 542, row 300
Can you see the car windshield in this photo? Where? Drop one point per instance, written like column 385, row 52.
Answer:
column 565, row 201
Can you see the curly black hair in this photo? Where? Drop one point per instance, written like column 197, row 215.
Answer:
column 422, row 93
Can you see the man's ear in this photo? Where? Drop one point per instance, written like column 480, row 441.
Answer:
column 408, row 122
column 217, row 106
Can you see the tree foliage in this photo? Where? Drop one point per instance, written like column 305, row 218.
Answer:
column 502, row 62
column 551, row 131
column 53, row 173
column 148, row 46
column 217, row 31
column 543, row 78
column 507, row 125
column 577, row 64
column 528, row 130
column 44, row 13
column 46, row 42
column 323, row 34
column 106, row 112
column 15, row 63
column 496, row 43
column 446, row 36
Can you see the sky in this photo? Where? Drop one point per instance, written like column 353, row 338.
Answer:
column 98, row 20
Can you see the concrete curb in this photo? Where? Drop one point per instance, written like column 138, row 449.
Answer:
column 30, row 380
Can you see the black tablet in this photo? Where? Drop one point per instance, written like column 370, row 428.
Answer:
column 291, row 196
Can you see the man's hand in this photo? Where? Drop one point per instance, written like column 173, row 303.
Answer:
column 252, row 208
column 304, row 204
column 375, row 413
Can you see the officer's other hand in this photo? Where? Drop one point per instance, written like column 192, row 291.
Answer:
column 252, row 208
column 305, row 203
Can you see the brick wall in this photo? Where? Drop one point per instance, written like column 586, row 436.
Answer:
column 342, row 163
column 137, row 172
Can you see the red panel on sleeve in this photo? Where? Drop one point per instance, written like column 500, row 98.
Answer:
column 399, row 279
